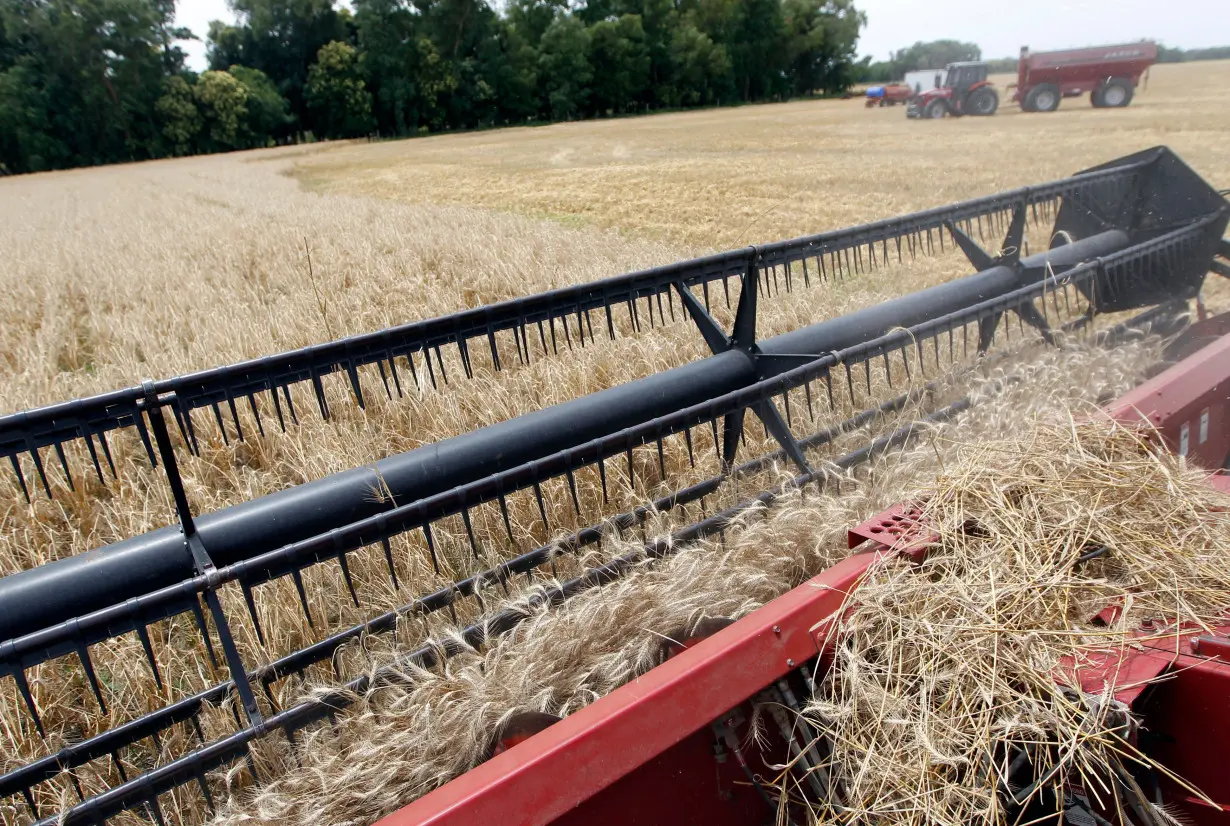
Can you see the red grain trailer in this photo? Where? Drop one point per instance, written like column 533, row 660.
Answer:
column 1109, row 74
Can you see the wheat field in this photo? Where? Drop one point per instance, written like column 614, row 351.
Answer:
column 114, row 274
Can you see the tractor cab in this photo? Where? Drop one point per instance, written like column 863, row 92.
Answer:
column 966, row 91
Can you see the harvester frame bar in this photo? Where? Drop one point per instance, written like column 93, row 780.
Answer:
column 837, row 254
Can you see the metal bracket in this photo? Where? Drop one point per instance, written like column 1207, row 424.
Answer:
column 152, row 405
column 743, row 338
column 1009, row 256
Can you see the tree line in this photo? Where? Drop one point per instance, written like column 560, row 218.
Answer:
column 86, row 82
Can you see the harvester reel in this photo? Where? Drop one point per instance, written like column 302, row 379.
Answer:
column 1140, row 234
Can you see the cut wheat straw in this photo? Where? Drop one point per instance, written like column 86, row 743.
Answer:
column 944, row 674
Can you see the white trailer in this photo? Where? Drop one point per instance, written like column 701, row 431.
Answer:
column 924, row 80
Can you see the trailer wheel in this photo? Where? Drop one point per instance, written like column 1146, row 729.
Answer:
column 1095, row 97
column 983, row 101
column 935, row 109
column 1116, row 93
column 1043, row 98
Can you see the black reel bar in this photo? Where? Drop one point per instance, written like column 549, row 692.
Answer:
column 1126, row 241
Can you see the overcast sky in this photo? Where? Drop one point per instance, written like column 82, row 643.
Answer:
column 1000, row 27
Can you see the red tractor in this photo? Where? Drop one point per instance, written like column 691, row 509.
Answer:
column 965, row 91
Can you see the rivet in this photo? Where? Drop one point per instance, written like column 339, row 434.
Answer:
column 777, row 629
column 789, row 663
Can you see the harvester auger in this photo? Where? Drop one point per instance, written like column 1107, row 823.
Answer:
column 1136, row 237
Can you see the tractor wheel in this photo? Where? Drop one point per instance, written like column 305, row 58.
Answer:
column 1043, row 98
column 1116, row 93
column 935, row 109
column 982, row 101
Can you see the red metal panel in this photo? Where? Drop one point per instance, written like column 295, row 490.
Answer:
column 555, row 771
column 1188, row 405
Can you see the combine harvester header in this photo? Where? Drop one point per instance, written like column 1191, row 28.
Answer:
column 1136, row 236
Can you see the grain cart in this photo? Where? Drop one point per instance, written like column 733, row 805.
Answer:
column 965, row 91
column 513, row 500
column 1108, row 74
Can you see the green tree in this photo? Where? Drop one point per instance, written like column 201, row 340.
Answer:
column 280, row 38
column 758, row 49
column 269, row 118
column 620, row 63
column 699, row 69
column 821, row 36
column 564, row 71
column 223, row 103
column 180, row 117
column 336, row 95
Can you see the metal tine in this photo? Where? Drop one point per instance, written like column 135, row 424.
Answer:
column 633, row 317
column 589, row 322
column 42, row 473
column 155, row 810
column 806, row 275
column 87, row 664
column 888, row 371
column 345, row 566
column 194, row 447
column 388, row 559
column 786, row 402
column 431, row 372
column 94, row 456
column 23, row 688
column 507, row 522
column 440, row 364
column 824, row 274
column 196, row 727
column 542, row 336
column 431, row 547
column 106, row 449
column 572, row 488
column 568, row 333
column 828, row 385
column 465, row 518
column 226, row 440
column 811, row 413
column 119, row 766
column 495, row 350
column 687, row 438
column 68, row 476
column 296, row 575
column 30, row 804
column 602, row 480
column 610, row 323
column 717, row 444
column 230, row 402
column 77, row 788
column 139, row 421
column 704, row 289
column 203, row 783
column 21, row 480
column 905, row 360
column 250, row 600
column 542, row 509
column 199, row 616
column 148, row 647
column 414, row 373
column 661, row 459
column 554, row 341
column 725, row 291
column 277, row 407
column 353, row 372
column 319, row 389
column 849, row 381
column 867, row 371
column 463, row 351
column 661, row 314
column 384, row 378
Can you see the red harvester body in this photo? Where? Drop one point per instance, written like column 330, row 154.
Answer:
column 674, row 745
